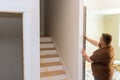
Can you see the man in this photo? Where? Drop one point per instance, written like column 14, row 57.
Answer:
column 102, row 59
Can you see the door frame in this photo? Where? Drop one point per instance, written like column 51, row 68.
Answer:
column 27, row 48
column 25, row 44
column 81, row 71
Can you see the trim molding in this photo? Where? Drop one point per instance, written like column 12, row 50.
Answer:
column 61, row 59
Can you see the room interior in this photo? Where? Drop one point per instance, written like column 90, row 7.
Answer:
column 11, row 46
column 103, row 18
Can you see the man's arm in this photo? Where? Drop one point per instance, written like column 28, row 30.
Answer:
column 88, row 59
column 94, row 42
column 86, row 56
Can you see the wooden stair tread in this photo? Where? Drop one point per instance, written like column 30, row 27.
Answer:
column 47, row 48
column 52, row 73
column 50, row 64
column 47, row 40
column 49, row 56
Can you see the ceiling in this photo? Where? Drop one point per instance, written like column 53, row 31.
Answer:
column 103, row 7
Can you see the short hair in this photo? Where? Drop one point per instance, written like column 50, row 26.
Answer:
column 107, row 38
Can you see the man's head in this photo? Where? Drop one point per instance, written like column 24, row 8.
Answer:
column 105, row 39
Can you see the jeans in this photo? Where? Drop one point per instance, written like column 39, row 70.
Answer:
column 95, row 78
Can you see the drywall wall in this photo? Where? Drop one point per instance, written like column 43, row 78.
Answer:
column 31, row 33
column 34, row 36
column 62, row 23
column 112, row 24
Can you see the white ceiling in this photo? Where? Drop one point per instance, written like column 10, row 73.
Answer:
column 103, row 6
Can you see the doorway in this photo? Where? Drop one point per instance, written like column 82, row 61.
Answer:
column 102, row 18
column 11, row 46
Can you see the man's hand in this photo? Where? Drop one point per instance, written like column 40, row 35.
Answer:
column 85, row 37
column 86, row 56
column 84, row 52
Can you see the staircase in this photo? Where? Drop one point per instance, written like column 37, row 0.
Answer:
column 50, row 64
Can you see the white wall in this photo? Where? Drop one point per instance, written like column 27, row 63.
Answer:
column 62, row 23
column 35, row 39
column 31, row 35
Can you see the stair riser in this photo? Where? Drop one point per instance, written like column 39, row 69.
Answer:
column 45, row 40
column 44, row 60
column 51, row 68
column 58, row 77
column 47, row 45
column 43, row 52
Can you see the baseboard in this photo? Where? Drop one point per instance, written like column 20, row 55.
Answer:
column 61, row 59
